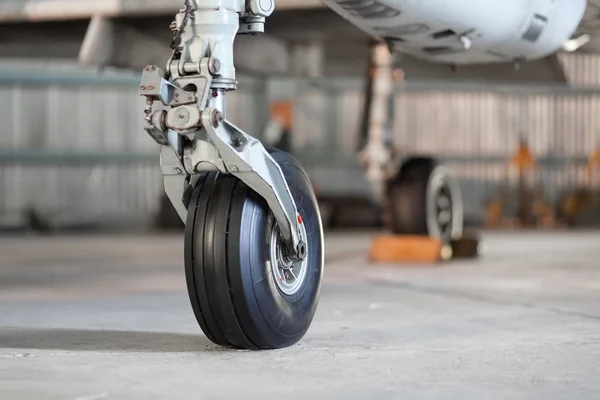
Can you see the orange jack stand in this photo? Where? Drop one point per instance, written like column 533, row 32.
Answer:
column 390, row 249
column 594, row 166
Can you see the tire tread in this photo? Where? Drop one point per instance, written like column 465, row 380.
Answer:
column 189, row 263
column 199, row 277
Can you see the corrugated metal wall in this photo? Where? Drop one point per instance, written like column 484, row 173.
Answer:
column 474, row 129
column 77, row 134
column 83, row 149
column 73, row 148
column 581, row 69
column 477, row 132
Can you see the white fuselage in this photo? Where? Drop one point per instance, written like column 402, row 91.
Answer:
column 467, row 31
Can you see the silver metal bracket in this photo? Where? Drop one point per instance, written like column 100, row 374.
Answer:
column 202, row 156
column 246, row 158
column 174, row 179
column 155, row 86
column 197, row 75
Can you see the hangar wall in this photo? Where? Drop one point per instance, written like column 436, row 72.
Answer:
column 476, row 131
column 74, row 148
column 581, row 69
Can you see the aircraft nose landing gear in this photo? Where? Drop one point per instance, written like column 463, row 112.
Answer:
column 253, row 234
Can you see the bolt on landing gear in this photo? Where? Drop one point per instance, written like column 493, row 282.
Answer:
column 253, row 233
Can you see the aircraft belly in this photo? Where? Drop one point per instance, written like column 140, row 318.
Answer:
column 466, row 31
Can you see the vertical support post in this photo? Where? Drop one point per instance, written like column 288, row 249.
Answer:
column 379, row 106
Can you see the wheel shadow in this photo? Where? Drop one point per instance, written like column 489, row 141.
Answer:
column 104, row 340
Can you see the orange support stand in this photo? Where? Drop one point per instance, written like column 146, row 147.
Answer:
column 594, row 165
column 406, row 249
column 523, row 160
column 283, row 112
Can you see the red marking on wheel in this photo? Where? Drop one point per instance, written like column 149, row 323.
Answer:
column 300, row 219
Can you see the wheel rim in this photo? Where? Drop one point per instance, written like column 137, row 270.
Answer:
column 288, row 274
column 444, row 206
column 444, row 214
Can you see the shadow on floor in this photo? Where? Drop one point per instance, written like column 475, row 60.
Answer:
column 104, row 340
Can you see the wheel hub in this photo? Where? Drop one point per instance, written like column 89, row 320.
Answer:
column 443, row 209
column 288, row 272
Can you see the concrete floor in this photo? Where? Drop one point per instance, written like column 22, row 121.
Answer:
column 108, row 318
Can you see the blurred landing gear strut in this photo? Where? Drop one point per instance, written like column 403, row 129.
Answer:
column 420, row 199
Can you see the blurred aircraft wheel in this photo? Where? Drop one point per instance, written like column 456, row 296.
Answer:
column 244, row 290
column 424, row 198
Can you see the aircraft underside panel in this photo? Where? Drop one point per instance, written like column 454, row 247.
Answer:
column 467, row 31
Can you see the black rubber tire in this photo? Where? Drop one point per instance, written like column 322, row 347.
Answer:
column 408, row 198
column 234, row 297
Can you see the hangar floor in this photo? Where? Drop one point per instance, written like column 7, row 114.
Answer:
column 108, row 317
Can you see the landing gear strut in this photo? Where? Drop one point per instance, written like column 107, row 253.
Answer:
column 418, row 195
column 253, row 233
